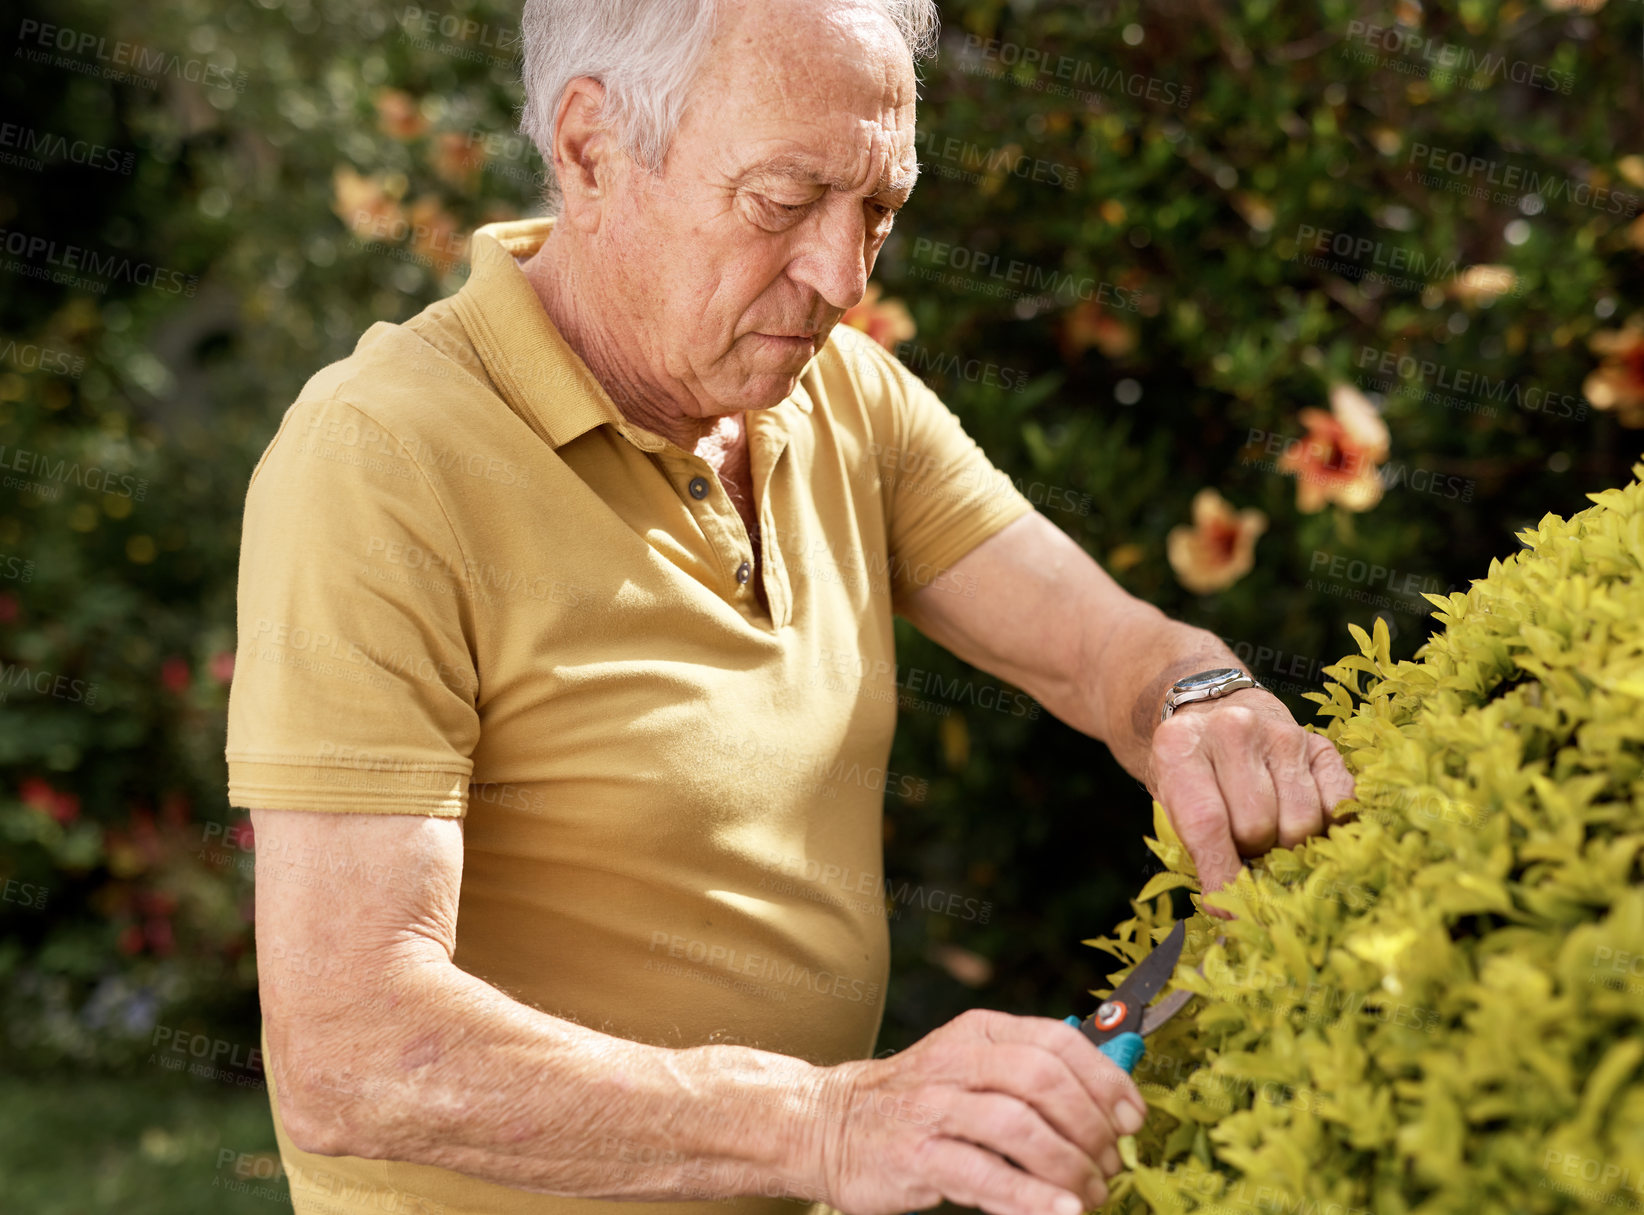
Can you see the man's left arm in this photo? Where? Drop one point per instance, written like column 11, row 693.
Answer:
column 1237, row 775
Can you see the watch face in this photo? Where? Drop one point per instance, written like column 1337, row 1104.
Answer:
column 1205, row 679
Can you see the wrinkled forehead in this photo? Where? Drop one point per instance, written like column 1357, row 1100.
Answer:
column 828, row 93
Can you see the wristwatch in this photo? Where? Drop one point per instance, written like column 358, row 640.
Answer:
column 1206, row 685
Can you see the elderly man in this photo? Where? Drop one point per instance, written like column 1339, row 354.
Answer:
column 534, row 593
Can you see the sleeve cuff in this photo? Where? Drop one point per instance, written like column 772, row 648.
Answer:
column 274, row 785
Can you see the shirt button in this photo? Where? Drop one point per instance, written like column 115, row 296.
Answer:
column 698, row 488
column 744, row 572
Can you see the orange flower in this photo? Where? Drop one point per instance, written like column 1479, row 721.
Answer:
column 1482, row 284
column 398, row 115
column 1618, row 382
column 458, row 158
column 886, row 322
column 1220, row 547
column 435, row 234
column 1089, row 324
column 1339, row 459
column 365, row 204
column 966, row 965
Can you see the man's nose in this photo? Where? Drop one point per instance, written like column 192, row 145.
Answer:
column 834, row 260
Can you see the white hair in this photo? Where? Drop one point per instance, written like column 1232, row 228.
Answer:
column 646, row 53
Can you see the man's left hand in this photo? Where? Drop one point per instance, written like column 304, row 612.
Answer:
column 1238, row 776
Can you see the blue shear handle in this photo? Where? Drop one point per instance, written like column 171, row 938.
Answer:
column 1124, row 1049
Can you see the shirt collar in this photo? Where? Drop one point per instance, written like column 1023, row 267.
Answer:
column 523, row 351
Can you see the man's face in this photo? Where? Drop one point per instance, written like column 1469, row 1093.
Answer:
column 734, row 264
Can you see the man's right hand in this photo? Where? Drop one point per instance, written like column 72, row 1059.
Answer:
column 1014, row 1115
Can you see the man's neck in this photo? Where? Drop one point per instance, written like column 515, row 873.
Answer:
column 549, row 271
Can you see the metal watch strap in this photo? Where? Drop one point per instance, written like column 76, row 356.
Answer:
column 1175, row 700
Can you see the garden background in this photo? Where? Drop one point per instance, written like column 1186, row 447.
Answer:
column 1288, row 314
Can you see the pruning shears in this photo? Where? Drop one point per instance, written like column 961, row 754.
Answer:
column 1120, row 1022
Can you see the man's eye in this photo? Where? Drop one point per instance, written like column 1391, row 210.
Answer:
column 788, row 208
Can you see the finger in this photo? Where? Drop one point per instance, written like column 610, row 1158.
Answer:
column 1235, row 742
column 1048, row 1082
column 1301, row 813
column 1190, row 795
column 1335, row 783
column 973, row 1177
column 1015, row 1130
column 1107, row 1084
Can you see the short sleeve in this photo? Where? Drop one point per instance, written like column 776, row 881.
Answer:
column 943, row 496
column 354, row 680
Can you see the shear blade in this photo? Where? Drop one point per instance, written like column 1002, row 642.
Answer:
column 1155, row 1015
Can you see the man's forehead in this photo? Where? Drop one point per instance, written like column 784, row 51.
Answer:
column 815, row 169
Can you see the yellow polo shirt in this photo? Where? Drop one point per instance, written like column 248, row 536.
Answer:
column 470, row 588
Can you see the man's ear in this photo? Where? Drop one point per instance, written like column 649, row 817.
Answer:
column 584, row 150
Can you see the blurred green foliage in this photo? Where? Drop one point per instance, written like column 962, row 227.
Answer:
column 315, row 170
column 1439, row 1006
column 162, row 1145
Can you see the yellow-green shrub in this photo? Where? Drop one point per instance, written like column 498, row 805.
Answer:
column 1439, row 1005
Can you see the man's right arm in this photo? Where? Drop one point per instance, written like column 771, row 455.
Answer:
column 404, row 1056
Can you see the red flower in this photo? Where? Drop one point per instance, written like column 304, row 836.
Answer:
column 1339, row 460
column 1219, row 548
column 1618, row 383
column 222, row 666
column 398, row 114
column 174, row 675
column 885, row 321
column 1089, row 324
column 8, row 607
column 131, row 939
column 159, row 936
column 39, row 795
